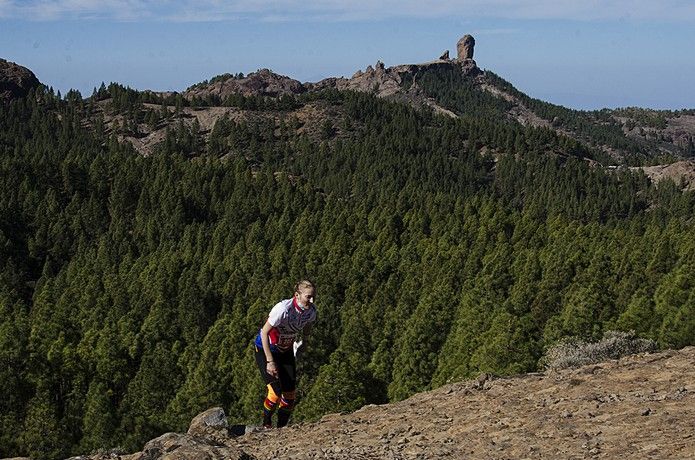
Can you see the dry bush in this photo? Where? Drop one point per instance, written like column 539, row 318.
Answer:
column 572, row 353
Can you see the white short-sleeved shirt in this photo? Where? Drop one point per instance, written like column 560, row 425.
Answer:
column 287, row 320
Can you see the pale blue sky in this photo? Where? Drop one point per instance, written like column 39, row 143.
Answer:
column 582, row 54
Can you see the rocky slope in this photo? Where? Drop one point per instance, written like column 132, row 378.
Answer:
column 399, row 82
column 641, row 406
column 681, row 172
column 263, row 82
column 15, row 81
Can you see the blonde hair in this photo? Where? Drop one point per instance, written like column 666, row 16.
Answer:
column 304, row 284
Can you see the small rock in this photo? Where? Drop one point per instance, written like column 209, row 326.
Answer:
column 566, row 414
column 481, row 380
column 645, row 412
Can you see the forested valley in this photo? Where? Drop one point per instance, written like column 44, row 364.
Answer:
column 131, row 286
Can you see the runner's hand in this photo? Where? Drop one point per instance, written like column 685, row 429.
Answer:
column 272, row 369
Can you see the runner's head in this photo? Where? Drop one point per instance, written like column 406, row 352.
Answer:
column 304, row 292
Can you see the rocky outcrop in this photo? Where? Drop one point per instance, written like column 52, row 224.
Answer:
column 15, row 81
column 264, row 82
column 401, row 81
column 464, row 47
column 389, row 81
column 680, row 172
column 175, row 446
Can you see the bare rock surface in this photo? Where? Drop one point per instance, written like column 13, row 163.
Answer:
column 308, row 118
column 387, row 81
column 211, row 425
column 681, row 172
column 675, row 136
column 399, row 83
column 214, row 417
column 15, row 81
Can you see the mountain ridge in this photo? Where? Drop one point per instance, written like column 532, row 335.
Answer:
column 631, row 136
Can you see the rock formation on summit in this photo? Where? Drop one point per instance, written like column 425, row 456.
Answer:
column 15, row 81
column 464, row 47
column 263, row 82
column 387, row 81
column 401, row 82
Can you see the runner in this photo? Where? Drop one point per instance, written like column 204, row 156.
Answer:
column 276, row 350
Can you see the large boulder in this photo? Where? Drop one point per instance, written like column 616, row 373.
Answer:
column 211, row 424
column 15, row 81
column 464, row 47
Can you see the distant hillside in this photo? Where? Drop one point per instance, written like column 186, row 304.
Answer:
column 640, row 406
column 450, row 87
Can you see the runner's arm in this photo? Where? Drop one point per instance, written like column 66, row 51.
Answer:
column 270, row 367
